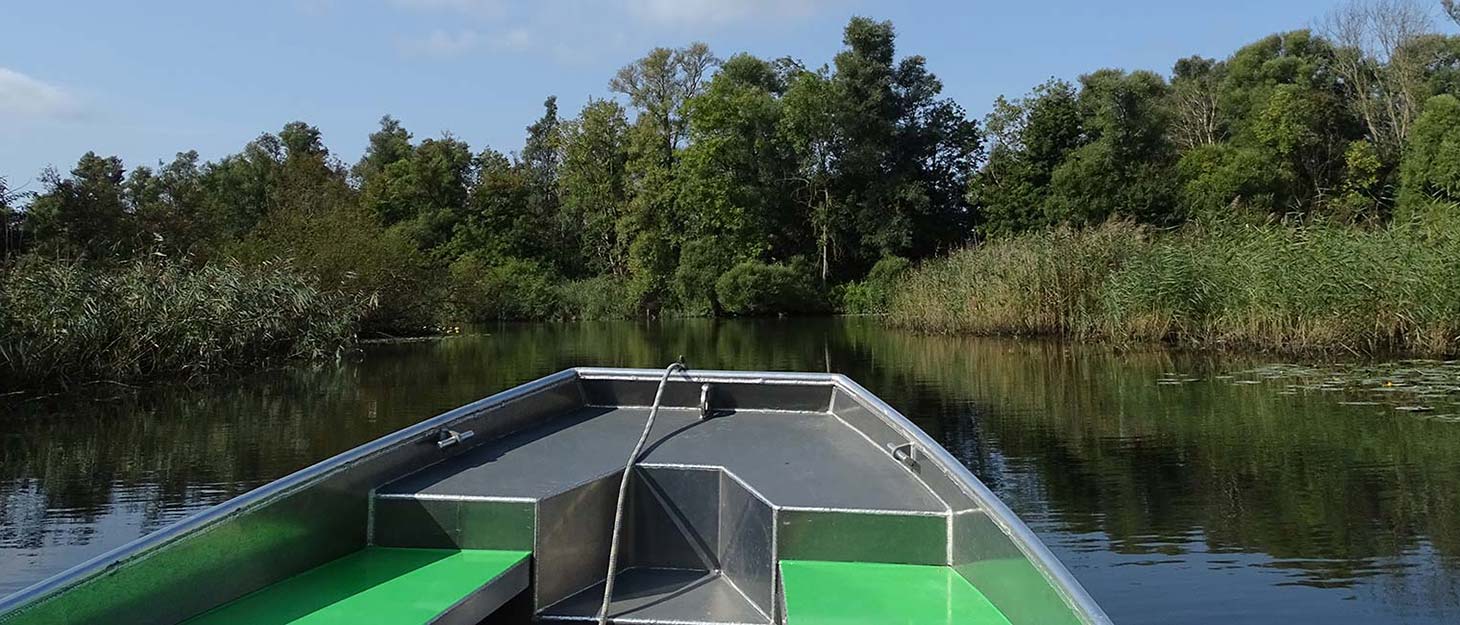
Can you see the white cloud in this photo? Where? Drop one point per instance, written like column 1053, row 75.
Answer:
column 484, row 8
column 693, row 12
column 24, row 97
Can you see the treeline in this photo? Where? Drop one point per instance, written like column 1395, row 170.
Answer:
column 1298, row 195
column 1354, row 122
column 767, row 186
column 742, row 186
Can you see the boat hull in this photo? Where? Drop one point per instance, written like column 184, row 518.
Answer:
column 344, row 504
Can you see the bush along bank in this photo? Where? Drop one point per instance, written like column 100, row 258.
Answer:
column 64, row 323
column 1267, row 287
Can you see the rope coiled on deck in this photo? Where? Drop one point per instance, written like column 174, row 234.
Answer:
column 623, row 489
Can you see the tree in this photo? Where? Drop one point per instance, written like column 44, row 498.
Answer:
column 1284, row 104
column 1196, row 119
column 1384, row 74
column 1032, row 136
column 239, row 189
column 809, row 127
column 660, row 83
column 542, row 159
column 592, row 183
column 497, row 225
column 85, row 215
column 12, row 220
column 900, row 155
column 169, row 206
column 733, row 174
column 389, row 144
column 1431, row 171
column 423, row 195
column 310, row 179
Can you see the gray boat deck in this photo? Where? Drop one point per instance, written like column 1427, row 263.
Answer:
column 663, row 595
column 792, row 459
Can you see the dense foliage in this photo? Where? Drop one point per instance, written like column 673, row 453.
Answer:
column 640, row 204
column 1303, row 288
column 748, row 186
column 62, row 322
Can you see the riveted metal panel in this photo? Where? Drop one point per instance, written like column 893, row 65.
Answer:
column 574, row 530
column 862, row 536
column 747, row 542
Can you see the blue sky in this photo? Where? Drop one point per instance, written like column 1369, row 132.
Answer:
column 144, row 80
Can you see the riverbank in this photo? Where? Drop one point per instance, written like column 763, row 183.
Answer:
column 65, row 323
column 1260, row 287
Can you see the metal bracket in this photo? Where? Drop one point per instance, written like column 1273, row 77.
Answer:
column 906, row 453
column 449, row 437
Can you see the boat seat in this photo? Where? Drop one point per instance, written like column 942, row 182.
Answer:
column 857, row 593
column 385, row 585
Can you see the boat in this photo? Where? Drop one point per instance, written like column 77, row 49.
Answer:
column 693, row 496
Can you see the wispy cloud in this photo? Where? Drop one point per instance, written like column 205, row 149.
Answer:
column 441, row 44
column 24, row 97
column 444, row 44
column 701, row 12
column 573, row 30
column 480, row 8
column 514, row 40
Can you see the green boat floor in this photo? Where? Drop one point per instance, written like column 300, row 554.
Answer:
column 865, row 593
column 373, row 585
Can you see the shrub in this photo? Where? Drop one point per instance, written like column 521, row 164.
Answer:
column 600, row 297
column 345, row 249
column 754, row 288
column 874, row 294
column 513, row 290
column 701, row 263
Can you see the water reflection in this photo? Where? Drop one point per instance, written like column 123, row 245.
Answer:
column 1205, row 501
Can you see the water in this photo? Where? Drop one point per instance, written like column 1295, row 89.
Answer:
column 1179, row 488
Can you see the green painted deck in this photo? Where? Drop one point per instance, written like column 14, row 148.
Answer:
column 373, row 585
column 862, row 593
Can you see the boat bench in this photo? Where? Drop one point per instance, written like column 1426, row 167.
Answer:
column 385, row 585
column 871, row 593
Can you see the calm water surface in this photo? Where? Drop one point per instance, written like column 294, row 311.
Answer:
column 1179, row 488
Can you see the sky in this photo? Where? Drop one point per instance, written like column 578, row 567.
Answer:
column 145, row 80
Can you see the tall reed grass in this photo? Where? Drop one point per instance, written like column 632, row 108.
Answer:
column 63, row 323
column 1279, row 287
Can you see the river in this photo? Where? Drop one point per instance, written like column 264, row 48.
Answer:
column 1178, row 487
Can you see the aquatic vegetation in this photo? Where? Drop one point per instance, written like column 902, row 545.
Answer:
column 63, row 322
column 1272, row 287
column 1428, row 389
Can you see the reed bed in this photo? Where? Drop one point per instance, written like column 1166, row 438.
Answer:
column 64, row 323
column 1272, row 287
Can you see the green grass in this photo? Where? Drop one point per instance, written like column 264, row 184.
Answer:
column 63, row 323
column 1273, row 287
